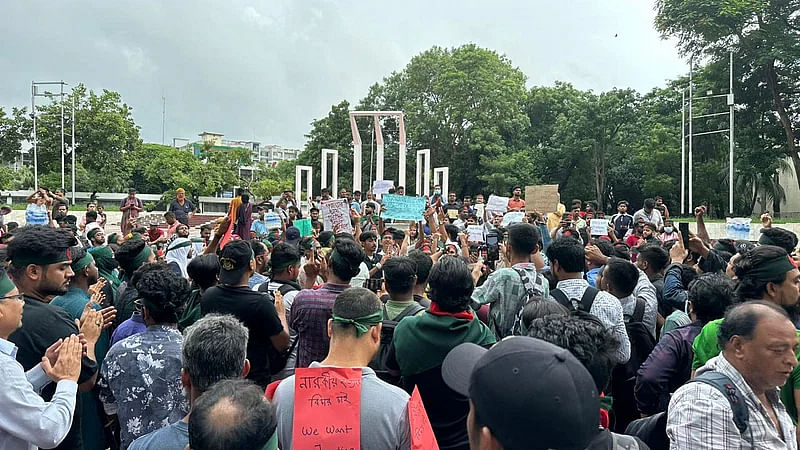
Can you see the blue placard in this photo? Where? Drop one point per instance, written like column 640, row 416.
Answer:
column 400, row 207
column 273, row 221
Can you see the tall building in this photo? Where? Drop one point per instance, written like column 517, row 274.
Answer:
column 268, row 154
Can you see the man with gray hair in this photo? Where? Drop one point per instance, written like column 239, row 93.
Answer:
column 214, row 349
column 734, row 402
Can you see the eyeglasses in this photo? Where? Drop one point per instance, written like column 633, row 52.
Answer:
column 18, row 297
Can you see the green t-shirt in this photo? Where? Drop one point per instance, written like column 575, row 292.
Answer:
column 706, row 347
column 394, row 308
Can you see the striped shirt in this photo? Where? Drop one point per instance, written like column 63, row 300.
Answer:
column 309, row 316
column 699, row 416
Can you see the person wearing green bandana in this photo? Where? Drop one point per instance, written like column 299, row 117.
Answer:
column 354, row 328
column 765, row 273
column 422, row 342
column 107, row 268
column 41, row 269
column 74, row 301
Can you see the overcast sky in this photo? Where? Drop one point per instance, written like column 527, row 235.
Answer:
column 266, row 69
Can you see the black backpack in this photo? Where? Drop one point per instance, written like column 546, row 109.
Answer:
column 379, row 362
column 623, row 377
column 584, row 305
column 652, row 430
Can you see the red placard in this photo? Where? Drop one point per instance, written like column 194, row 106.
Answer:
column 421, row 431
column 327, row 409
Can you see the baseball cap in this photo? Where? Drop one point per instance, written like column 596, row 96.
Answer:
column 527, row 391
column 234, row 261
column 292, row 236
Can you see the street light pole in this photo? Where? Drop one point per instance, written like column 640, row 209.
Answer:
column 730, row 138
column 683, row 152
column 691, row 136
column 61, row 99
column 73, row 147
column 35, row 152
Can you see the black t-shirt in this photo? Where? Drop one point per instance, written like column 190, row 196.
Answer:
column 604, row 440
column 182, row 211
column 371, row 262
column 257, row 311
column 42, row 325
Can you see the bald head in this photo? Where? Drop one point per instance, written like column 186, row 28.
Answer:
column 232, row 415
column 743, row 320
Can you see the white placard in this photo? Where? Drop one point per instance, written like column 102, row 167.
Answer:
column 599, row 227
column 336, row 215
column 512, row 217
column 475, row 233
column 382, row 186
column 497, row 205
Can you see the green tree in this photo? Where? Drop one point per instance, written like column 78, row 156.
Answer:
column 766, row 33
column 14, row 129
column 331, row 131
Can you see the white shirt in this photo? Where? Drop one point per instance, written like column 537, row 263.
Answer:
column 606, row 307
column 27, row 421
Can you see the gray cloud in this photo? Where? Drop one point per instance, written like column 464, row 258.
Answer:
column 266, row 69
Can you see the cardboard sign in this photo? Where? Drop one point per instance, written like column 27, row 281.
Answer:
column 512, row 217
column 400, row 207
column 380, row 187
column 475, row 233
column 336, row 216
column 327, row 408
column 273, row 220
column 599, row 227
column 452, row 214
column 497, row 205
column 304, row 225
column 422, row 437
column 543, row 198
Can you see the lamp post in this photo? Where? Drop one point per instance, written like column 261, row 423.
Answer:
column 35, row 93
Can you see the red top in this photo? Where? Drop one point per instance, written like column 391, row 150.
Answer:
column 516, row 205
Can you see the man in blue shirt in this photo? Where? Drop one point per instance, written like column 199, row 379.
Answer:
column 259, row 226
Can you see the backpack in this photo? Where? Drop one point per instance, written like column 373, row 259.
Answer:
column 530, row 293
column 623, row 377
column 380, row 362
column 585, row 303
column 277, row 361
column 653, row 430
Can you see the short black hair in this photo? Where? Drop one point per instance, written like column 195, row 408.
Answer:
column 163, row 293
column 424, row 264
column 346, row 258
column 399, row 275
column 742, row 320
column 710, row 294
column 368, row 235
column 524, row 238
column 352, row 303
column 91, row 215
column 649, row 203
column 451, row 284
column 655, row 256
column 622, row 275
column 605, row 246
column 37, row 240
column 232, row 415
column 313, row 208
column 324, row 237
column 729, row 245
column 781, row 237
column 568, row 253
column 126, row 254
column 203, row 270
column 283, row 254
column 169, row 215
column 258, row 247
column 621, row 250
column 750, row 287
column 206, row 226
column 589, row 342
column 452, row 232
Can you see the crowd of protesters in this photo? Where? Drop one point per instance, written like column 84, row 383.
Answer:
column 540, row 334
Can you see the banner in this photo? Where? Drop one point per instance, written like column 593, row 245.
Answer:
column 380, row 187
column 496, row 206
column 336, row 215
column 599, row 227
column 401, row 207
column 327, row 408
column 543, row 198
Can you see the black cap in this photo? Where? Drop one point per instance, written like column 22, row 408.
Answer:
column 527, row 390
column 292, row 236
column 234, row 261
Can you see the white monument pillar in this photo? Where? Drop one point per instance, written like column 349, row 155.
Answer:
column 379, row 145
column 356, row 154
column 401, row 153
column 378, row 148
column 423, row 174
column 441, row 176
column 298, row 174
column 334, row 187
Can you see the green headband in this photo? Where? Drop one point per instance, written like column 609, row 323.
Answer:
column 363, row 323
column 278, row 268
column 142, row 257
column 6, row 285
column 42, row 260
column 83, row 262
column 772, row 269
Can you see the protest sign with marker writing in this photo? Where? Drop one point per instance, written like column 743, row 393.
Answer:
column 401, row 207
column 327, row 408
column 336, row 216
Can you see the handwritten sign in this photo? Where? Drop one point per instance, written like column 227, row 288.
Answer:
column 599, row 227
column 479, row 209
column 452, row 214
column 336, row 216
column 738, row 227
column 327, row 408
column 543, row 198
column 400, row 207
column 475, row 233
column 304, row 225
column 512, row 217
column 273, row 220
column 422, row 436
column 497, row 205
column 380, row 187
